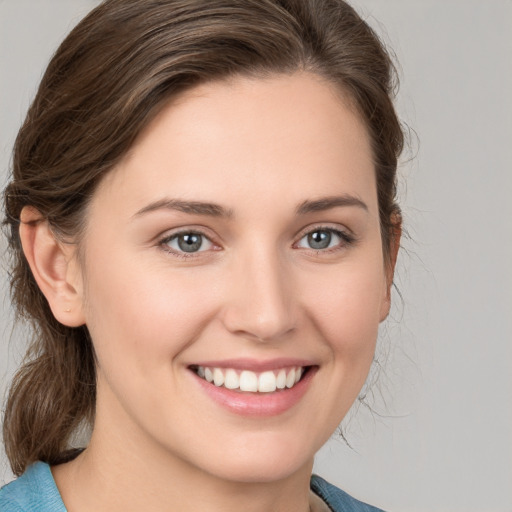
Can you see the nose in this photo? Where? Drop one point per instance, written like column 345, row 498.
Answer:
column 261, row 304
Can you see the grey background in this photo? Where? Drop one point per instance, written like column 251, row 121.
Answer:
column 439, row 437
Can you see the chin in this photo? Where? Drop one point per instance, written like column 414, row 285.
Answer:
column 262, row 462
column 269, row 471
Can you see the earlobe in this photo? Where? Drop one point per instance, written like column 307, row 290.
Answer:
column 54, row 267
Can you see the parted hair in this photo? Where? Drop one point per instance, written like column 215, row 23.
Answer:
column 109, row 78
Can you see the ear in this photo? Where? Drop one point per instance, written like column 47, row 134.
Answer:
column 54, row 266
column 394, row 246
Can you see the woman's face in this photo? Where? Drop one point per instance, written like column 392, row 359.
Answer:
column 238, row 240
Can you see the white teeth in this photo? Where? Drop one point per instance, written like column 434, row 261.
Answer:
column 248, row 381
column 290, row 378
column 281, row 379
column 218, row 377
column 265, row 382
column 232, row 380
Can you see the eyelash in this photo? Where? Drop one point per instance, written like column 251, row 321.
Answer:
column 346, row 239
column 163, row 243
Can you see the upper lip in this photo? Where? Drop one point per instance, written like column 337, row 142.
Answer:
column 255, row 365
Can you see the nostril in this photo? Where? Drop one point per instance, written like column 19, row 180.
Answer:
column 260, row 305
column 262, row 330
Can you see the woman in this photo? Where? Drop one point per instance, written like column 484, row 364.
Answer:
column 203, row 224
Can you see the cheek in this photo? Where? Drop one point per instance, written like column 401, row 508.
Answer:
column 142, row 315
column 140, row 326
column 348, row 311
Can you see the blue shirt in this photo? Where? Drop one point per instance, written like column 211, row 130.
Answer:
column 36, row 491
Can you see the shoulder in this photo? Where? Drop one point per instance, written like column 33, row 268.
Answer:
column 338, row 500
column 34, row 491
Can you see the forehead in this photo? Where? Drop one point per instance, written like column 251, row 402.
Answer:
column 250, row 138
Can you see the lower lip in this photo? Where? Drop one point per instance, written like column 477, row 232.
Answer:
column 258, row 404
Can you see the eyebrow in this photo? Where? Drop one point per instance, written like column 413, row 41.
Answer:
column 326, row 203
column 216, row 210
column 193, row 207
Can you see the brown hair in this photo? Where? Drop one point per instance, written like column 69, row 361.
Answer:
column 105, row 83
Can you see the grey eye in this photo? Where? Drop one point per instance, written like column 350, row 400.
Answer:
column 320, row 239
column 189, row 242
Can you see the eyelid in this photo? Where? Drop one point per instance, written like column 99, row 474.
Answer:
column 347, row 236
column 326, row 226
column 165, row 238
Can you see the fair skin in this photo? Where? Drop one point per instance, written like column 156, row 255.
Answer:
column 285, row 271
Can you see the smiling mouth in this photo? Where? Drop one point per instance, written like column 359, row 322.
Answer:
column 249, row 381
